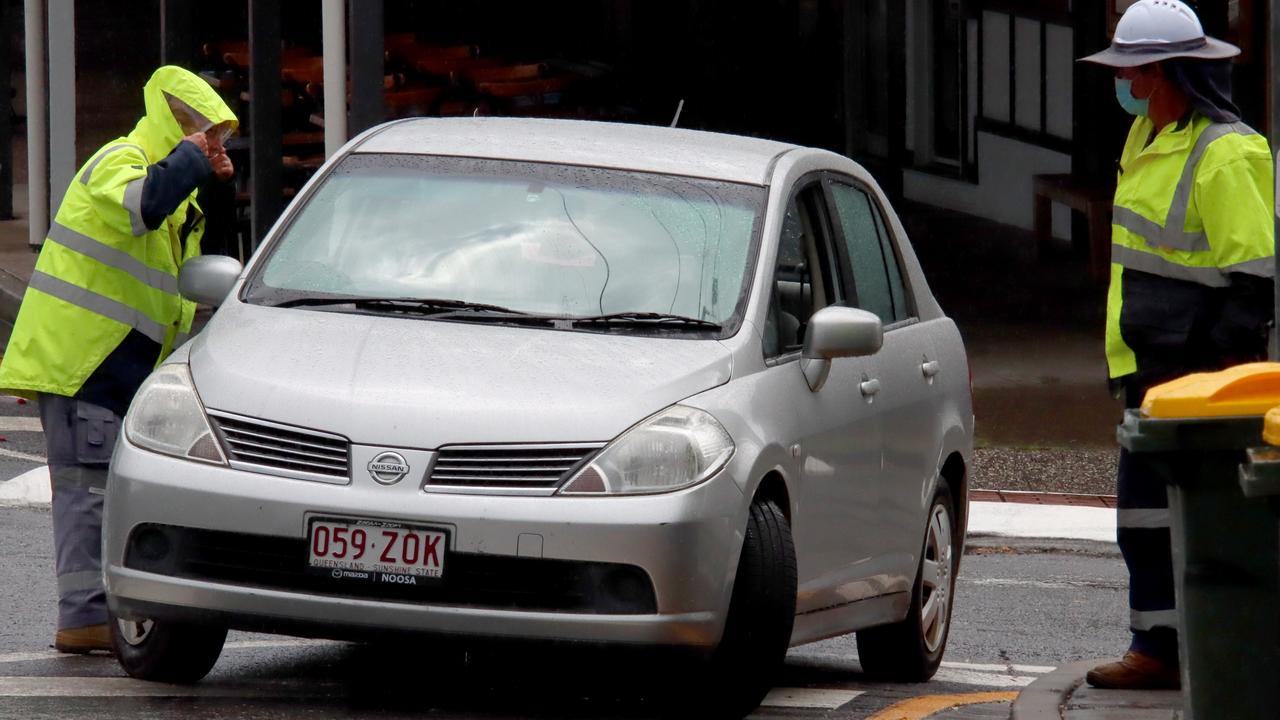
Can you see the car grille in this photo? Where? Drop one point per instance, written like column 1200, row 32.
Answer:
column 288, row 451
column 469, row 579
column 507, row 466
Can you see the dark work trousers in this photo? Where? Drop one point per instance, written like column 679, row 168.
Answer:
column 80, row 437
column 1142, row 531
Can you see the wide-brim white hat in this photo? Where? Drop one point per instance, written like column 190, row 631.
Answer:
column 1134, row 54
column 1155, row 30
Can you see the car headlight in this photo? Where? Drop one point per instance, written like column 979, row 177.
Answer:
column 678, row 447
column 166, row 416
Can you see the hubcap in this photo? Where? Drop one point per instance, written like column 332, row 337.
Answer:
column 935, row 593
column 135, row 632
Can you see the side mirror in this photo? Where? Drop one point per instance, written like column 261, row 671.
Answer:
column 836, row 332
column 207, row 279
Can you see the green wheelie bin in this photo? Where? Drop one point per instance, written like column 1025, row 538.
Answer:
column 1195, row 434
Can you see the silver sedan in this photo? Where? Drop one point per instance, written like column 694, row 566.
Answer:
column 556, row 380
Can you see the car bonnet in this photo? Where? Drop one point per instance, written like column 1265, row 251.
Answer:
column 416, row 383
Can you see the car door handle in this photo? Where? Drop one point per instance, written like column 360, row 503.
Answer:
column 869, row 387
column 930, row 368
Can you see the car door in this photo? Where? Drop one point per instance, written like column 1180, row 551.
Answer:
column 906, row 367
column 836, row 429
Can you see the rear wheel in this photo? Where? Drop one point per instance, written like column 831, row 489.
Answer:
column 166, row 652
column 762, row 611
column 911, row 650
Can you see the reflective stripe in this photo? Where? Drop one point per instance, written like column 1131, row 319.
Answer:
column 84, row 176
column 1156, row 235
column 133, row 203
column 100, row 304
column 1151, row 619
column 1262, row 267
column 1171, row 234
column 1142, row 518
column 114, row 257
column 1151, row 263
column 181, row 338
column 79, row 581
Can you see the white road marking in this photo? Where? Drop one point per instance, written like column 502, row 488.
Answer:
column 1049, row 584
column 128, row 687
column 256, row 644
column 1025, row 669
column 991, row 676
column 51, row 654
column 973, row 677
column 809, row 698
column 20, row 423
column 22, row 456
column 18, row 657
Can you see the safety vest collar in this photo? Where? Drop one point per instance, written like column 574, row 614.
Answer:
column 1172, row 138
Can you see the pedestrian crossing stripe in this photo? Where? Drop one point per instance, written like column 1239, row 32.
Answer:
column 71, row 686
column 918, row 708
column 20, row 423
column 82, row 687
column 809, row 698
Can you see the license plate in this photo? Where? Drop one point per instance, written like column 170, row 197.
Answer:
column 376, row 550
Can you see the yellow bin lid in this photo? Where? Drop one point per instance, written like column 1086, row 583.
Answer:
column 1250, row 389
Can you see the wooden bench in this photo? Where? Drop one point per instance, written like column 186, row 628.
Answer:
column 1092, row 198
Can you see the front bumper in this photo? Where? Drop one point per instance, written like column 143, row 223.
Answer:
column 686, row 542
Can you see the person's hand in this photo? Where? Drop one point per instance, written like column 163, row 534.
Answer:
column 222, row 167
column 198, row 139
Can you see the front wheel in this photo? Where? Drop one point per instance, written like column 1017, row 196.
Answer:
column 757, row 630
column 164, row 651
column 911, row 650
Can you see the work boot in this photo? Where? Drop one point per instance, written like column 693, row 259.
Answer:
column 83, row 640
column 1135, row 671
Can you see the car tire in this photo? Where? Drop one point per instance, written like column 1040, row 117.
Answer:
column 164, row 651
column 911, row 650
column 762, row 610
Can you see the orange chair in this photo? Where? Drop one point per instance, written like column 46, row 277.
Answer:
column 504, row 73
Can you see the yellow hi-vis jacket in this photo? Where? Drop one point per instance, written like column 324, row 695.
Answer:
column 101, row 273
column 1194, row 206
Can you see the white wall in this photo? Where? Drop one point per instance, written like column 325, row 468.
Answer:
column 1005, row 166
column 1059, row 65
column 1003, row 190
column 995, row 66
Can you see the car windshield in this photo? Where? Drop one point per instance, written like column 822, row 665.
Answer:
column 562, row 241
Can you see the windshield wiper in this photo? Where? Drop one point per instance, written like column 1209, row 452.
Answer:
column 645, row 318
column 429, row 306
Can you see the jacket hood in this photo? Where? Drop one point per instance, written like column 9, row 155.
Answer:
column 158, row 132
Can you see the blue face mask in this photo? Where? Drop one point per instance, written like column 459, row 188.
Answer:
column 1131, row 104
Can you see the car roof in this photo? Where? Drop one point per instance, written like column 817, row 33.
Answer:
column 644, row 148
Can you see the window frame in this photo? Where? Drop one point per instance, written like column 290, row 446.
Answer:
column 837, row 283
column 888, row 239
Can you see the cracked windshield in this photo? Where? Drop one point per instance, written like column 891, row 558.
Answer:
column 538, row 239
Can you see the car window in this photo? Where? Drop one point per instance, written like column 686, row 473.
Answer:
column 535, row 237
column 902, row 307
column 804, row 281
column 877, row 280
